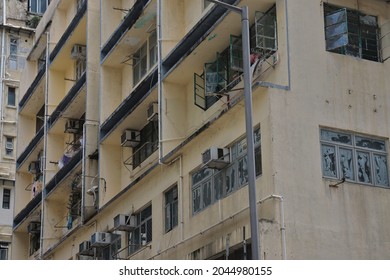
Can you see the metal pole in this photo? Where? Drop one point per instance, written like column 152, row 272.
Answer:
column 249, row 133
column 249, row 124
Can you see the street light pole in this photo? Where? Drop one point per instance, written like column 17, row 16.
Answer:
column 249, row 124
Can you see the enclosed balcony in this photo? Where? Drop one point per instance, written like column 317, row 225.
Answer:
column 208, row 82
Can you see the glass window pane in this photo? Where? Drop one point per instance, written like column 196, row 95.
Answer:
column 33, row 6
column 201, row 175
column 196, row 200
column 346, row 163
column 243, row 171
column 218, row 186
column 146, row 213
column 364, row 168
column 11, row 96
column 206, row 189
column 258, row 163
column 370, row 143
column 241, row 147
column 230, row 179
column 329, row 161
column 380, row 168
column 149, row 231
column 257, row 137
column 336, row 137
column 336, row 17
column 42, row 6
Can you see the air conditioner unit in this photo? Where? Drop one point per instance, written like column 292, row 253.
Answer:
column 9, row 146
column 34, row 227
column 78, row 52
column 73, row 126
column 125, row 222
column 152, row 112
column 216, row 157
column 85, row 248
column 34, row 167
column 100, row 239
column 130, row 138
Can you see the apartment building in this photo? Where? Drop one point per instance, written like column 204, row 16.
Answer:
column 132, row 131
column 17, row 22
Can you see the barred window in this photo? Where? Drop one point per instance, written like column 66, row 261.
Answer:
column 356, row 158
column 352, row 33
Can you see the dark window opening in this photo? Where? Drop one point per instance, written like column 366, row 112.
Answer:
column 351, row 32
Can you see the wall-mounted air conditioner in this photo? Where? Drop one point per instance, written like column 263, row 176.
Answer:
column 78, row 52
column 34, row 227
column 100, row 239
column 125, row 222
column 152, row 112
column 130, row 138
column 34, row 167
column 216, row 157
column 85, row 248
column 73, row 126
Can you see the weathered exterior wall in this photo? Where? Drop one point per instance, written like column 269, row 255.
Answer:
column 305, row 88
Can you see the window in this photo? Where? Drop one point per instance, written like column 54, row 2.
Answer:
column 37, row 6
column 3, row 251
column 9, row 146
column 143, row 232
column 81, row 65
column 110, row 252
column 6, row 198
column 152, row 49
column 35, row 243
column 148, row 144
column 13, row 53
column 11, row 100
column 140, row 58
column 209, row 185
column 171, row 209
column 351, row 33
column 354, row 157
column 40, row 119
column 42, row 61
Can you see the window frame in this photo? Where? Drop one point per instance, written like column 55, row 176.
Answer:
column 215, row 183
column 13, row 53
column 142, row 222
column 145, row 58
column 351, row 25
column 80, row 68
column 11, row 91
column 38, row 6
column 9, row 151
column 148, row 143
column 6, row 201
column 356, row 158
column 4, row 247
column 171, row 197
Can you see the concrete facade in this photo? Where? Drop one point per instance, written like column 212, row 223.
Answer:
column 16, row 38
column 125, row 135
